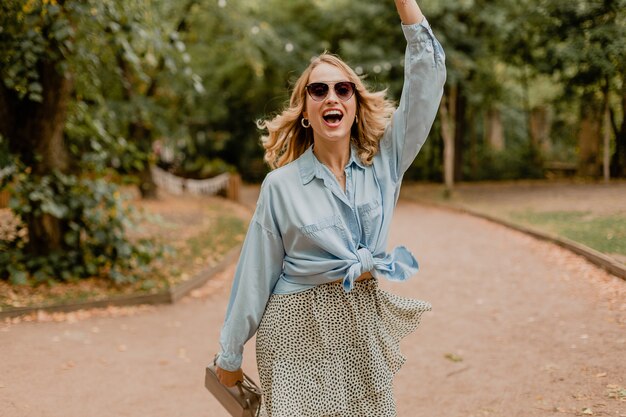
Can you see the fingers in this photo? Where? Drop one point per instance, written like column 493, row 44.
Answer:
column 228, row 378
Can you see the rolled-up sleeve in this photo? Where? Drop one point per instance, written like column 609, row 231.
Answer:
column 259, row 268
column 424, row 77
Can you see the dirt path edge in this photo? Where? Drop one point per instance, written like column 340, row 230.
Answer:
column 597, row 258
column 169, row 296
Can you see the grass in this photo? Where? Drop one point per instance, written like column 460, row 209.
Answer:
column 206, row 247
column 605, row 233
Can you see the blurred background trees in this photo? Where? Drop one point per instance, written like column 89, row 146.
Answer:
column 524, row 77
column 93, row 93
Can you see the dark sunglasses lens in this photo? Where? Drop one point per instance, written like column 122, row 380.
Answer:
column 344, row 90
column 318, row 91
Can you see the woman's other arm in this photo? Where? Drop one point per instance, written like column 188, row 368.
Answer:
column 259, row 268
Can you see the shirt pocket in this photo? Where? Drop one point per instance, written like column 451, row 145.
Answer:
column 328, row 233
column 371, row 216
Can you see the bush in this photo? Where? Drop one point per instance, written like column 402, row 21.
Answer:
column 93, row 222
column 519, row 161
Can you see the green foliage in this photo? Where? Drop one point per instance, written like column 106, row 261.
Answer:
column 31, row 31
column 589, row 42
column 128, row 64
column 144, row 86
column 517, row 162
column 131, row 82
column 94, row 237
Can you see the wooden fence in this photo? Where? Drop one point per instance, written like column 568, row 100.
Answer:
column 228, row 184
column 4, row 199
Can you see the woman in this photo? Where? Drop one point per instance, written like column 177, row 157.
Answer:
column 328, row 337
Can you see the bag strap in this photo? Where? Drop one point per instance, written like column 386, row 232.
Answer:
column 249, row 385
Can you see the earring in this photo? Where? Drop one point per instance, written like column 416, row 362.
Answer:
column 305, row 123
column 356, row 118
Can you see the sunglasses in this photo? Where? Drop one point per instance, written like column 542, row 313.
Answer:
column 344, row 90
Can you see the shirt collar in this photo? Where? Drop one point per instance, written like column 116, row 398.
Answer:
column 310, row 167
column 354, row 157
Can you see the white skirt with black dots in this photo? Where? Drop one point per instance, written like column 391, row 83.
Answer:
column 327, row 353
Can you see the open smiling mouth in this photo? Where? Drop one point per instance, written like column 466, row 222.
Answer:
column 332, row 117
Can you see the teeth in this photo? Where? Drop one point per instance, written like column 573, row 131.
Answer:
column 332, row 113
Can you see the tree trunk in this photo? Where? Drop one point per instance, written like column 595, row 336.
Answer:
column 589, row 138
column 35, row 133
column 540, row 124
column 618, row 160
column 606, row 144
column 447, row 111
column 138, row 132
column 142, row 136
column 494, row 133
column 474, row 163
column 459, row 131
column 35, row 130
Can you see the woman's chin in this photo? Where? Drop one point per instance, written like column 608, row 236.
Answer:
column 333, row 134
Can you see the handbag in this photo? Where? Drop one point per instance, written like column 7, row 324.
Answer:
column 242, row 400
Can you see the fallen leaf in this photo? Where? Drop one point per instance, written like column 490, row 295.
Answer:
column 453, row 357
column 616, row 392
column 550, row 367
column 587, row 411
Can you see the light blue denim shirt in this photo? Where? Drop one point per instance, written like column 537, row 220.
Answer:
column 307, row 231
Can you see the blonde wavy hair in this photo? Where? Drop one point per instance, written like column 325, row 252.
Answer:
column 287, row 139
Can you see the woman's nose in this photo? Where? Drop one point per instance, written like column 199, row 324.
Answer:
column 332, row 96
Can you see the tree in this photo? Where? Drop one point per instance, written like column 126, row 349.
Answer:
column 34, row 97
column 584, row 45
column 58, row 63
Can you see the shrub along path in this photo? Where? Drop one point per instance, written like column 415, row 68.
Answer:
column 197, row 231
column 519, row 328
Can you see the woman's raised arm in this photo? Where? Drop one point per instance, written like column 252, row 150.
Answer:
column 424, row 76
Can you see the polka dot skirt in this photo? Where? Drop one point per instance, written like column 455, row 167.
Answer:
column 327, row 353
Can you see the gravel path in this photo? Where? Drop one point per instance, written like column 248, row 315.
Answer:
column 519, row 328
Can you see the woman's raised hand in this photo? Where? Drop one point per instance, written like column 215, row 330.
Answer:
column 409, row 11
column 229, row 378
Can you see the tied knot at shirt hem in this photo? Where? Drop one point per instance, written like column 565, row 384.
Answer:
column 398, row 265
